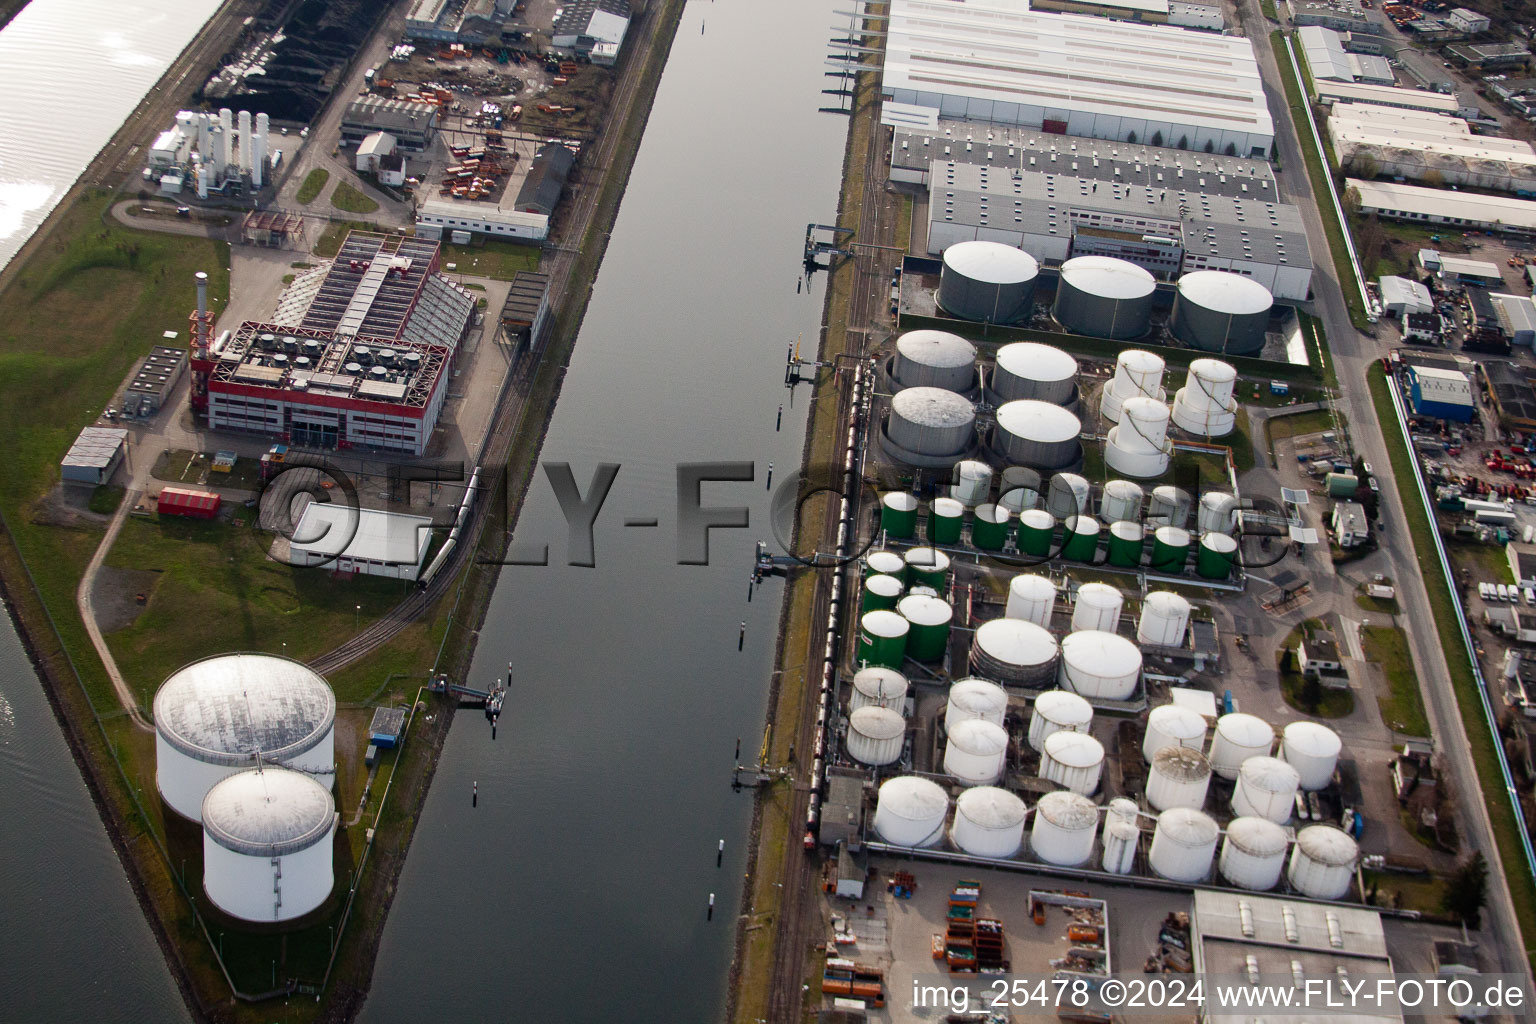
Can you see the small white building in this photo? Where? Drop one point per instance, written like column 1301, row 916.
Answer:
column 1400, row 295
column 373, row 149
column 1467, row 21
column 94, row 456
column 434, row 216
column 361, row 541
column 1319, row 654
column 1350, row 526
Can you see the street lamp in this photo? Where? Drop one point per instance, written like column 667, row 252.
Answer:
column 357, row 619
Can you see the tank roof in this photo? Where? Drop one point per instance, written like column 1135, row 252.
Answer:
column 880, row 682
column 901, row 501
column 911, row 796
column 1074, row 749
column 1016, row 642
column 933, row 407
column 1111, row 653
column 1187, row 825
column 1063, row 706
column 1258, row 836
column 1269, row 774
column 885, row 623
column 1327, row 845
column 991, row 807
column 1225, row 292
column 1314, row 739
column 1245, row 729
column 1071, row 811
column 936, row 348
column 1108, row 277
column 1181, row 764
column 991, row 262
column 979, row 736
column 1034, row 361
column 1037, row 421
column 224, row 709
column 921, row 610
column 268, row 812
column 877, row 723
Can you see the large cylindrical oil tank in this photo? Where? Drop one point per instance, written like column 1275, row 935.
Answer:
column 1038, row 435
column 1028, row 369
column 1170, row 549
column 1217, row 555
column 930, row 617
column 1138, row 445
column 883, row 639
column 910, row 811
column 1238, row 737
column 989, row 822
column 881, row 593
column 1063, row 830
column 1266, row 788
column 1104, row 297
column 1180, row 777
column 1138, row 373
column 1127, row 541
column 1098, row 607
column 1032, row 598
column 1172, row 725
column 230, row 712
column 887, row 562
column 1037, row 532
column 1313, row 750
column 1204, row 406
column 898, row 514
column 268, row 837
column 876, row 735
column 1218, row 311
column 934, row 359
column 972, row 482
column 989, row 527
column 975, row 751
column 1080, row 538
column 1099, row 665
column 1019, row 489
column 1322, row 862
column 988, row 282
column 945, row 517
column 1164, row 619
column 878, row 687
column 1074, row 760
column 928, row 426
column 928, row 567
column 1058, row 711
column 1120, row 838
column 975, row 698
column 1183, row 844
column 1121, row 502
column 1015, row 653
column 1253, row 854
column 1068, row 495
column 1168, row 506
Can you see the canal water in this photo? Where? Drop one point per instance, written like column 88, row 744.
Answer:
column 578, row 885
column 71, row 72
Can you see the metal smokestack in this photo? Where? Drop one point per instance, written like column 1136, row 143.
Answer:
column 202, row 294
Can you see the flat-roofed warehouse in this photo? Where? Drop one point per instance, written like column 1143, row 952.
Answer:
column 1386, row 96
column 95, row 455
column 363, row 541
column 1438, row 206
column 1512, row 392
column 1441, row 394
column 156, row 378
column 1067, row 73
column 526, row 311
column 1415, row 144
column 413, row 124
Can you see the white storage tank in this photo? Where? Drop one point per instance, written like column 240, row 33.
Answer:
column 975, row 698
column 1313, row 750
column 1074, row 760
column 1204, row 406
column 975, row 752
column 1266, row 788
column 989, row 822
column 1067, row 495
column 988, row 282
column 1169, row 506
column 215, row 716
column 1218, row 512
column 879, row 688
column 1322, row 862
column 1098, row 607
column 929, row 426
column 934, row 359
column 1031, row 597
column 1253, row 853
column 1063, row 830
column 1120, row 840
column 1172, row 725
column 910, row 811
column 1028, row 369
column 1038, row 435
column 1015, row 653
column 268, row 837
column 1099, row 665
column 876, row 736
column 1104, row 297
column 1058, row 711
column 972, row 482
column 1238, row 737
column 1019, row 489
column 1138, row 373
column 1179, row 777
column 1121, row 502
column 1183, row 845
column 1219, row 311
column 1138, row 445
column 1164, row 619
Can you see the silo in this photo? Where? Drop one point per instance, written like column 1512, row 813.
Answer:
column 1322, row 862
column 989, row 527
column 1074, row 760
column 989, row 822
column 1217, row 513
column 1313, row 750
column 1098, row 607
column 1120, row 838
column 1099, row 665
column 945, row 517
column 1058, row 711
column 928, row 638
column 878, row 687
column 1015, row 653
column 876, row 736
column 1164, row 619
column 217, row 716
column 1219, row 311
column 975, row 698
column 1063, row 829
column 880, row 593
column 1253, row 854
column 973, row 482
column 1104, row 297
column 1170, row 549
column 1266, row 788
column 1031, row 598
column 929, row 426
column 1169, row 506
column 1080, row 538
column 898, row 514
column 1028, row 369
column 887, row 562
column 987, row 282
column 1238, row 737
column 268, row 836
column 928, row 567
column 1183, row 844
column 1038, row 435
column 1180, row 777
column 1019, row 489
column 245, row 140
column 1067, row 495
column 1037, row 532
column 1121, row 502
column 1172, row 725
column 1127, row 541
column 1204, row 406
column 1137, row 373
column 1138, row 445
column 882, row 639
column 975, row 751
column 259, row 152
column 934, row 359
column 1218, row 553
column 910, row 811
column 227, row 155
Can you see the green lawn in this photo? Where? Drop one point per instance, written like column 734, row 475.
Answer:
column 492, row 258
column 329, row 242
column 1331, row 703
column 313, row 184
column 350, row 200
column 1301, row 424
column 1487, row 563
column 1401, row 707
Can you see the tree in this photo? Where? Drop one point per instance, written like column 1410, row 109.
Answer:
column 1311, row 695
column 1131, row 138
column 1231, row 149
column 1432, row 178
column 1183, row 141
column 1466, row 891
column 1370, row 237
column 1210, row 146
column 1363, row 165
column 1157, row 138
column 1351, row 201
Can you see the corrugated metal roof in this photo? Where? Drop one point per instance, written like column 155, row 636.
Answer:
column 95, row 447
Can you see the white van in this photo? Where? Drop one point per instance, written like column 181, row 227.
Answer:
column 1482, row 591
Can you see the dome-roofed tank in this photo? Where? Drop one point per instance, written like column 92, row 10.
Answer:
column 1097, row 607
column 988, row 282
column 1137, row 373
column 1121, row 502
column 1172, row 725
column 880, row 592
column 1218, row 512
column 888, row 562
column 1063, row 829
column 1074, row 760
column 1204, row 406
column 267, row 844
column 876, row 735
column 878, row 687
column 989, row 822
column 1322, row 862
column 1179, row 777
column 1266, row 788
column 1019, row 489
column 974, row 752
column 1164, row 619
column 1253, row 854
column 1067, row 495
column 1031, row 597
column 1238, row 737
column 934, row 359
column 927, row 567
column 1168, row 506
column 975, row 698
column 928, row 637
column 898, row 514
column 1219, row 311
column 1138, row 445
column 1183, row 844
column 929, row 426
column 1028, row 369
column 972, row 482
column 1313, row 750
column 910, row 811
column 1099, row 665
column 883, row 639
column 1015, row 653
column 1058, row 711
column 1038, row 435
column 1104, row 297
column 945, row 518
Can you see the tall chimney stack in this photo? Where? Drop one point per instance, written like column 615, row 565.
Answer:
column 202, row 294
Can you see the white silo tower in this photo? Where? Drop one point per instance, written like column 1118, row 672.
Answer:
column 1183, row 844
column 1120, row 838
column 1172, row 725
column 1313, row 750
column 972, row 482
column 1217, row 513
column 1098, row 607
column 989, row 822
column 1238, row 737
column 1031, row 597
column 1164, row 619
column 1067, row 495
column 268, row 836
column 1138, row 373
column 1204, row 406
column 226, row 141
column 910, row 811
column 1058, row 711
column 975, row 698
column 1063, row 829
column 259, row 151
column 1121, row 502
column 1169, row 506
column 1138, row 445
column 1099, row 665
column 975, row 752
column 1266, row 788
column 1074, row 760
column 1253, row 854
column 1322, row 862
column 1180, row 777
column 204, row 179
column 246, row 144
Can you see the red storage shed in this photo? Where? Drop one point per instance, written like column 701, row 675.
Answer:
column 177, row 501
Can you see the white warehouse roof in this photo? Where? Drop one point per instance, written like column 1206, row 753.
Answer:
column 95, row 447
column 329, row 530
column 1352, row 125
column 1415, row 202
column 1401, row 294
column 1387, row 96
column 1324, row 50
column 1461, row 267
column 1450, row 387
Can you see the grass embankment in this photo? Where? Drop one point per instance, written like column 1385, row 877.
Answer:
column 1302, row 424
column 493, row 258
column 329, row 242
column 1401, row 706
column 1501, row 814
column 348, row 199
column 313, row 184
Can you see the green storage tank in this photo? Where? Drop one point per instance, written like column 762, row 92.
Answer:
column 929, row 617
column 1080, row 541
column 945, row 517
column 887, row 562
column 1341, row 485
column 1170, row 549
column 927, row 567
column 989, row 528
column 1126, row 542
column 898, row 515
column 882, row 639
column 1217, row 553
column 881, row 592
column 1037, row 532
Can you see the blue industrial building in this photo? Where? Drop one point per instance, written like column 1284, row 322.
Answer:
column 1441, row 394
